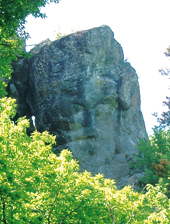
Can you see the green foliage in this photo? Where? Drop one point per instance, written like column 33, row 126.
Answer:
column 59, row 35
column 36, row 186
column 13, row 15
column 154, row 157
column 165, row 118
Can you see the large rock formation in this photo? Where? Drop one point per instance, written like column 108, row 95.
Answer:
column 80, row 89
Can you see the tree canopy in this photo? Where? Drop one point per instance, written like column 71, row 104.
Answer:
column 13, row 15
column 37, row 186
column 165, row 119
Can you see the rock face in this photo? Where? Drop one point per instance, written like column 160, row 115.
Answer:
column 80, row 89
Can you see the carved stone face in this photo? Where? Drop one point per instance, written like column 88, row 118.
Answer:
column 81, row 90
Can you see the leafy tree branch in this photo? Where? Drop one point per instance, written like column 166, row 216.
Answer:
column 69, row 213
column 12, row 26
column 52, row 207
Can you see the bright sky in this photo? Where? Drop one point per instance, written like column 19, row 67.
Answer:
column 140, row 26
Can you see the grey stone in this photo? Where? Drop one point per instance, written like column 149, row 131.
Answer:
column 80, row 89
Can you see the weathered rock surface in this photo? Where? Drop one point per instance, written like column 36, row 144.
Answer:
column 80, row 89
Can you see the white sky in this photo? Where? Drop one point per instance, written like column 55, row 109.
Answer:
column 140, row 26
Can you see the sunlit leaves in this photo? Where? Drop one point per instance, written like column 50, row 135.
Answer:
column 36, row 186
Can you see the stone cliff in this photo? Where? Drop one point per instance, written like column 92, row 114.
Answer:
column 80, row 89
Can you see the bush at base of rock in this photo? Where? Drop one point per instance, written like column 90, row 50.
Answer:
column 154, row 158
column 36, row 186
